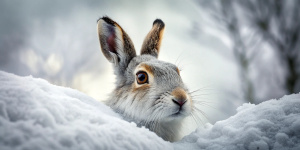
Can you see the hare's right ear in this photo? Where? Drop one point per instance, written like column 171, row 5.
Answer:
column 151, row 44
column 115, row 44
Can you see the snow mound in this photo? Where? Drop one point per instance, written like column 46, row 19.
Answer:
column 274, row 124
column 37, row 115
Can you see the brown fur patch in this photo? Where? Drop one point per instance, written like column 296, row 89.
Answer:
column 147, row 68
column 161, row 33
column 140, row 88
column 179, row 93
column 178, row 71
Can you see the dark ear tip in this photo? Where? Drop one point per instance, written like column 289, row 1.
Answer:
column 159, row 22
column 107, row 20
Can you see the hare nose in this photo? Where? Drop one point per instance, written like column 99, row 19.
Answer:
column 179, row 102
column 180, row 96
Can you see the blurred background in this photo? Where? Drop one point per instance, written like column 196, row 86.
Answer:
column 233, row 51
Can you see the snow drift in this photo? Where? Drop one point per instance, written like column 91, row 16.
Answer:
column 37, row 115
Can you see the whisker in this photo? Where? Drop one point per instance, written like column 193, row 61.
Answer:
column 198, row 118
column 206, row 105
column 196, row 98
column 203, row 113
column 193, row 116
column 204, row 94
column 178, row 58
column 200, row 89
column 203, row 98
column 203, row 102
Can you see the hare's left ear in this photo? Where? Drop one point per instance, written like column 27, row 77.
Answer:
column 153, row 40
column 116, row 45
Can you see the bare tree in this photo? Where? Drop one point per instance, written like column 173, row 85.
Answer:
column 276, row 22
column 224, row 13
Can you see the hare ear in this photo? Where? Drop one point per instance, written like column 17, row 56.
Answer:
column 152, row 41
column 116, row 45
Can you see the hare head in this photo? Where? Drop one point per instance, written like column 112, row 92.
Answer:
column 148, row 91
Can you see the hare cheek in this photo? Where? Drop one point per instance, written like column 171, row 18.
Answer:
column 140, row 89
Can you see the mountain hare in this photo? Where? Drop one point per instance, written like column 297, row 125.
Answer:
column 148, row 91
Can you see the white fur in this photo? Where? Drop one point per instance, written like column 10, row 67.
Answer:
column 150, row 104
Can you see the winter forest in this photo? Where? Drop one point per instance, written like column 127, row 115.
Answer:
column 257, row 29
column 239, row 58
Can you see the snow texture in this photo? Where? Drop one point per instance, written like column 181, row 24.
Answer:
column 274, row 124
column 37, row 115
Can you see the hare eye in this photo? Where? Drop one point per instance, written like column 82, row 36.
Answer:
column 141, row 77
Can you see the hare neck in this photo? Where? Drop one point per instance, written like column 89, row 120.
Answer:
column 168, row 130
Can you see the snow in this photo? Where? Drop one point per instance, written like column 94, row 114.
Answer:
column 35, row 114
column 274, row 124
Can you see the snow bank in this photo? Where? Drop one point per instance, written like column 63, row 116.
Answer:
column 37, row 115
column 274, row 124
